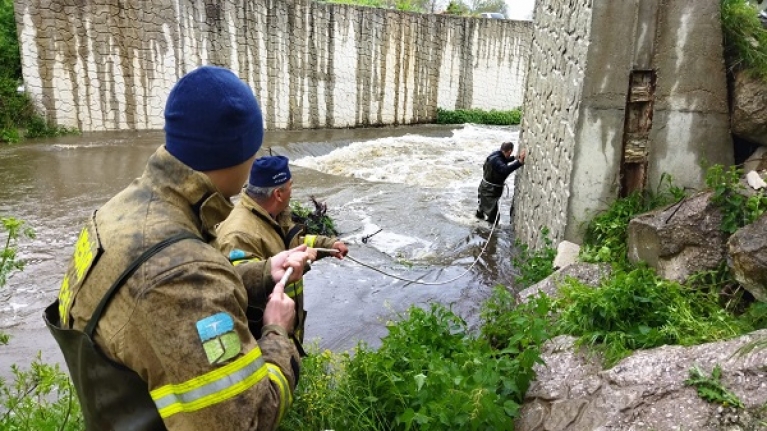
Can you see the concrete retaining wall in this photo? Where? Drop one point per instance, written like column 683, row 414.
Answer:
column 584, row 53
column 106, row 65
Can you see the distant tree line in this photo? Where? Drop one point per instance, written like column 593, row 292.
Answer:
column 18, row 118
column 452, row 7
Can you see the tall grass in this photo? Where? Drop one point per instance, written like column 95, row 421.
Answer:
column 745, row 40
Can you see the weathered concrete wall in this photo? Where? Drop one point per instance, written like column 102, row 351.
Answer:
column 582, row 58
column 106, row 65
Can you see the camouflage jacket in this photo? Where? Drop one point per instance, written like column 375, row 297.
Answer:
column 179, row 320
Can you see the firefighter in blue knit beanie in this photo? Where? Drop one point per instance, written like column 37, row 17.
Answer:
column 150, row 317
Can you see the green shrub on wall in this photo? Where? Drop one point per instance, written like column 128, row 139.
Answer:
column 745, row 40
column 478, row 116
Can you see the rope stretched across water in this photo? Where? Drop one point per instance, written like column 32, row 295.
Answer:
column 418, row 281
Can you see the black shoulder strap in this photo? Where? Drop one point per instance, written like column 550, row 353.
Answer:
column 295, row 230
column 91, row 326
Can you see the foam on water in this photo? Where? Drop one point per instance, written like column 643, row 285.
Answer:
column 450, row 168
column 415, row 160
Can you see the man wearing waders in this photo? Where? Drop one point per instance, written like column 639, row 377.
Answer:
column 261, row 225
column 498, row 166
column 150, row 317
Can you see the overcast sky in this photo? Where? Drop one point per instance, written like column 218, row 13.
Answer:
column 520, row 9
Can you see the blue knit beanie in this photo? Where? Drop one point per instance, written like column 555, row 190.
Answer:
column 212, row 120
column 269, row 171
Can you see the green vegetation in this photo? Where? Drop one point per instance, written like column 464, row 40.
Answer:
column 606, row 234
column 14, row 229
column 636, row 309
column 41, row 398
column 729, row 195
column 428, row 374
column 317, row 222
column 478, row 116
column 17, row 112
column 711, row 388
column 745, row 40
column 534, row 265
column 455, row 7
column 422, row 6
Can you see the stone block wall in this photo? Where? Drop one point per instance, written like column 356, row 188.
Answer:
column 106, row 65
column 562, row 31
column 577, row 126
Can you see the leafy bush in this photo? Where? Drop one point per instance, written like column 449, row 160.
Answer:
column 319, row 402
column 428, row 374
column 506, row 324
column 317, row 222
column 745, row 40
column 637, row 310
column 478, row 116
column 607, row 234
column 403, row 5
column 14, row 230
column 10, row 60
column 457, row 8
column 536, row 265
column 737, row 209
column 41, row 398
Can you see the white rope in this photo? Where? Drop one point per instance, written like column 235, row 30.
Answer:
column 418, row 281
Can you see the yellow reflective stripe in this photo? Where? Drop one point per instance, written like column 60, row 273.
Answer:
column 211, row 388
column 253, row 259
column 309, row 240
column 286, row 397
column 295, row 289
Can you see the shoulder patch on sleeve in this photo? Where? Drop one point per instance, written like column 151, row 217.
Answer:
column 218, row 337
column 236, row 254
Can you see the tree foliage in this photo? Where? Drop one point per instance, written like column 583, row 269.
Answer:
column 480, row 6
column 421, row 6
column 10, row 60
column 451, row 7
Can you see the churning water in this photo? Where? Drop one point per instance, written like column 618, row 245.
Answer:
column 402, row 198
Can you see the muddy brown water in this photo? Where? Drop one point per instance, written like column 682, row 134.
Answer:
column 415, row 186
